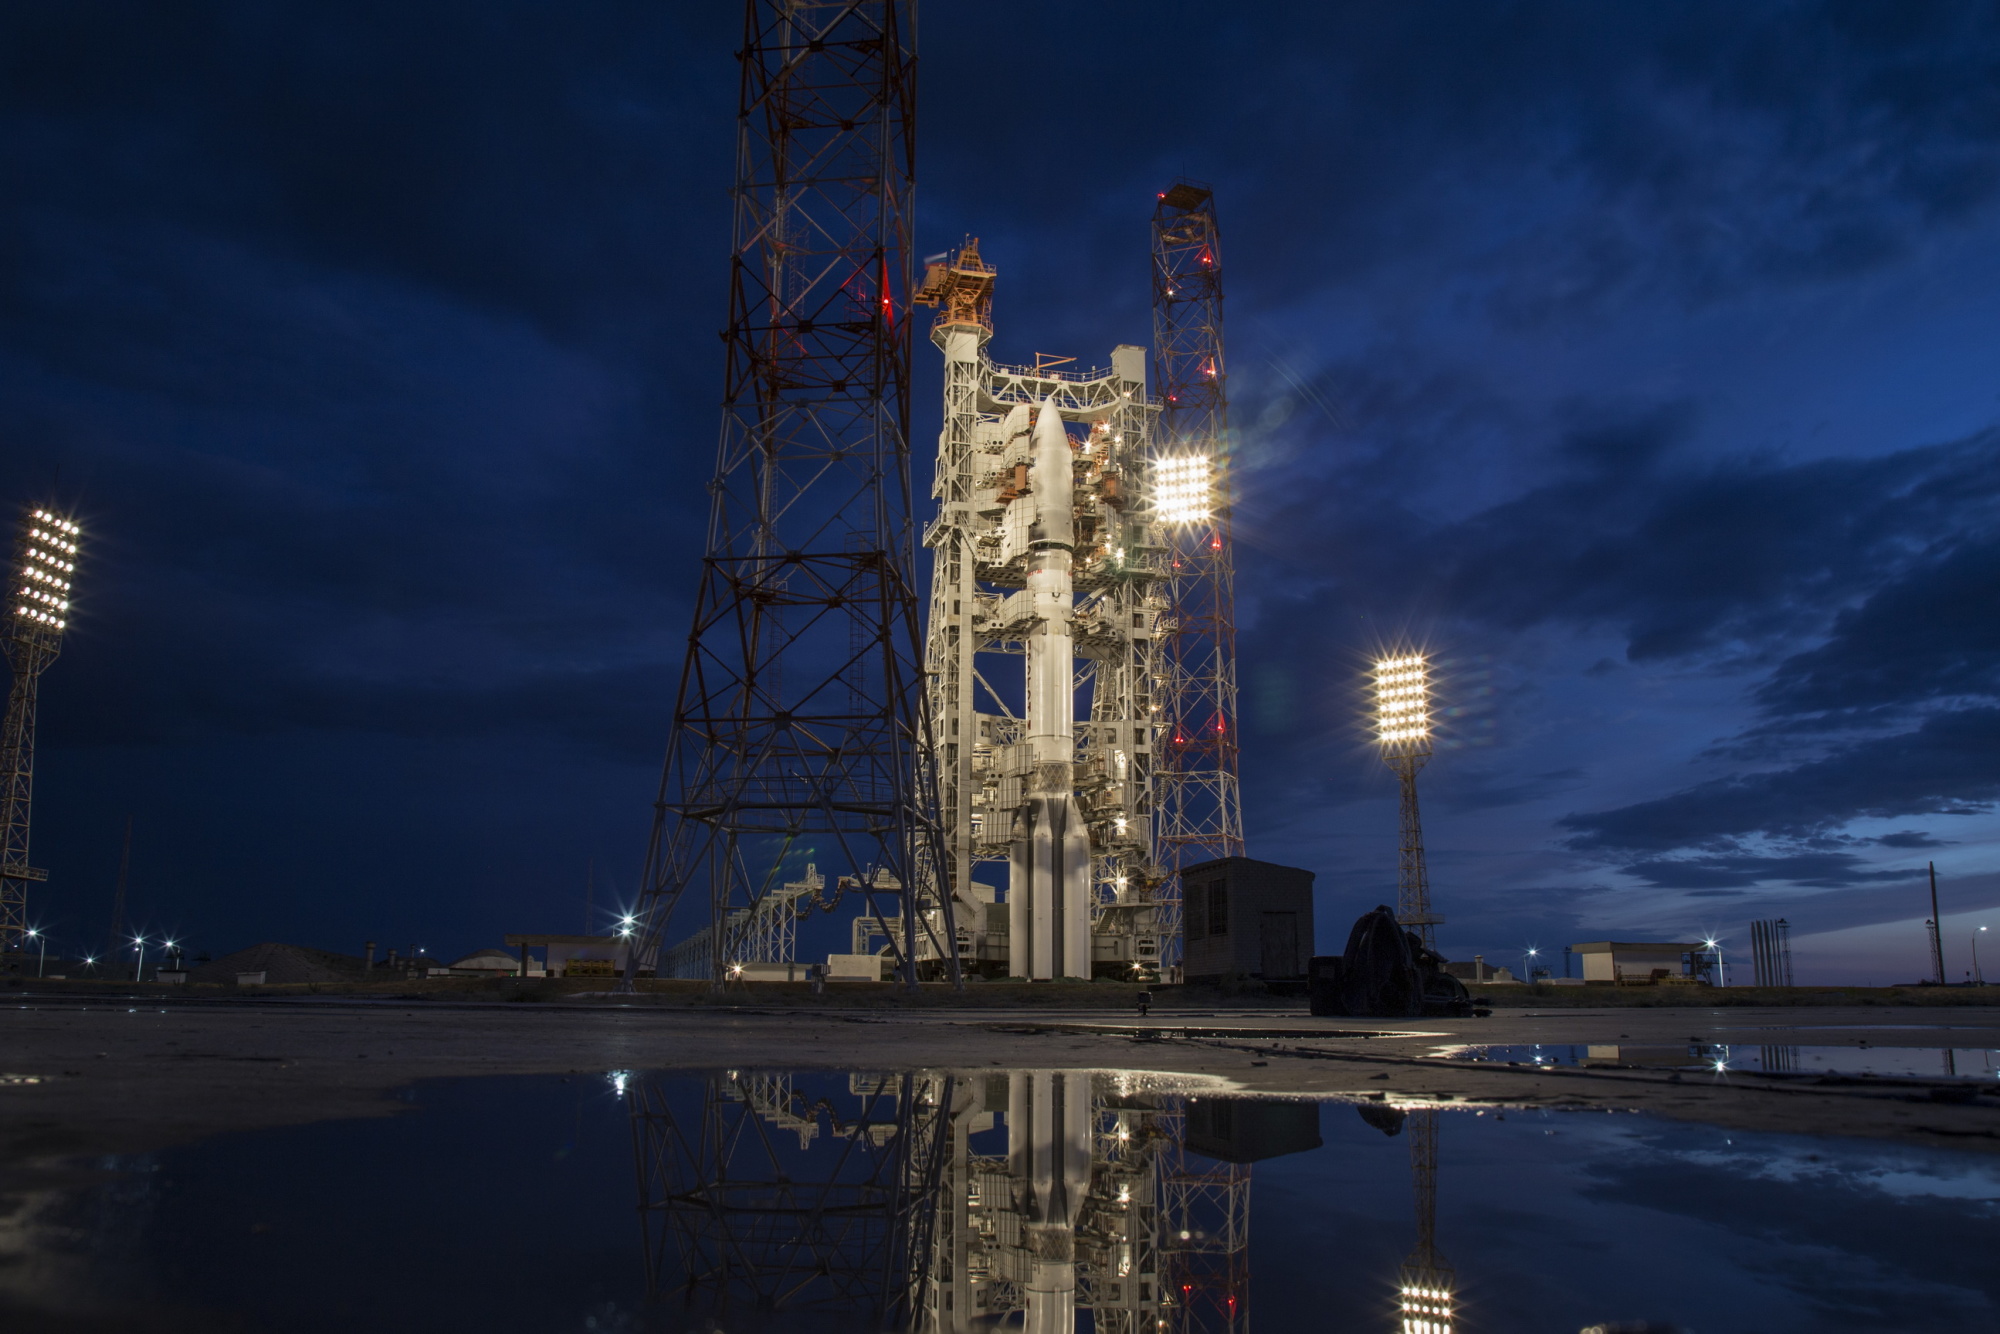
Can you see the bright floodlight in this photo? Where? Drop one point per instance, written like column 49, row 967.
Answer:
column 1427, row 1309
column 1403, row 702
column 1183, row 489
column 48, row 560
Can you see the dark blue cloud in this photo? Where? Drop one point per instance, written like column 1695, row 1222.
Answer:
column 1948, row 766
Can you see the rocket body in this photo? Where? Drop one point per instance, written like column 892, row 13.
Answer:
column 1048, row 887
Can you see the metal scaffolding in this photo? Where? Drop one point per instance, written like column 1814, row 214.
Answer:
column 755, row 1197
column 799, row 724
column 1771, row 952
column 1199, row 814
column 985, row 617
column 37, row 612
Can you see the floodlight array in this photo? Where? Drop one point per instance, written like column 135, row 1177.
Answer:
column 48, row 559
column 1183, row 488
column 1426, row 1310
column 1402, row 699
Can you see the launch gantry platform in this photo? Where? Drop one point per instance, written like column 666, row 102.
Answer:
column 986, row 610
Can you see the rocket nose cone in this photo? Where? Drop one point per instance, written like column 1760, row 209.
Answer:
column 1049, row 427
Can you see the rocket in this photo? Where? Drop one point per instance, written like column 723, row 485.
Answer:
column 1048, row 882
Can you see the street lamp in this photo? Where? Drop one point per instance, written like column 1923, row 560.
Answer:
column 1978, row 978
column 1721, row 970
column 42, row 965
column 139, row 944
column 1528, row 964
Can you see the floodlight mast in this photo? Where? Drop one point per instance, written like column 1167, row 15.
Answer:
column 37, row 613
column 1403, row 731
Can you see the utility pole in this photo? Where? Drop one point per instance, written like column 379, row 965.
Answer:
column 799, row 722
column 1937, row 931
column 1198, row 811
column 36, row 613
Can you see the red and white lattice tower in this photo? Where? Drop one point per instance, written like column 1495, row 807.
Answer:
column 1198, row 814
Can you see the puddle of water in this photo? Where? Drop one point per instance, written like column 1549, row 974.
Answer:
column 754, row 1202
column 1929, row 1063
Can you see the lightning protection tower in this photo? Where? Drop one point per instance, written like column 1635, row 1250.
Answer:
column 1403, row 731
column 37, row 613
column 1198, row 815
column 799, row 728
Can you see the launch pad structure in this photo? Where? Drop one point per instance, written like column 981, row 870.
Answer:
column 1049, row 580
column 1068, row 706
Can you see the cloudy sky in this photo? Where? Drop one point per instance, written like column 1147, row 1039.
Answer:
column 1640, row 361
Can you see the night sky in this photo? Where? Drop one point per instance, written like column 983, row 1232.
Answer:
column 1638, row 360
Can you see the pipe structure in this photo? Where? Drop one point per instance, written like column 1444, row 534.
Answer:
column 1048, row 891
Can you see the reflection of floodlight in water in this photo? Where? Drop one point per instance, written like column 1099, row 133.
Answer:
column 1402, row 721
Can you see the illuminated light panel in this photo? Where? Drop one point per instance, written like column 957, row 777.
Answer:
column 1183, row 488
column 48, row 548
column 1402, row 699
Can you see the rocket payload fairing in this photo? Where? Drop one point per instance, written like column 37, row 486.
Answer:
column 1048, row 888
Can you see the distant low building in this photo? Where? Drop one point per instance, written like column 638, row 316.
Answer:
column 1477, row 971
column 1638, row 963
column 485, row 963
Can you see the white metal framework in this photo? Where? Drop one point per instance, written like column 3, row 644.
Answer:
column 985, row 613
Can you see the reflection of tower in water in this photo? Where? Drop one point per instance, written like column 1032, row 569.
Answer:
column 1425, row 1284
column 754, row 1196
column 896, row 1202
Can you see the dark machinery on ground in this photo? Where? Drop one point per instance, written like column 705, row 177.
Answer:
column 1387, row 973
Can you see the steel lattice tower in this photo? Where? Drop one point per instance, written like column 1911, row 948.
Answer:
column 1199, row 816
column 37, row 612
column 799, row 725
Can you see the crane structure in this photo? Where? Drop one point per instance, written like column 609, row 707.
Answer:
column 1047, row 584
column 799, row 727
column 757, row 1196
column 37, row 613
column 1199, row 814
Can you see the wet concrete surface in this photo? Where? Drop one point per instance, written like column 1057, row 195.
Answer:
column 85, row 1078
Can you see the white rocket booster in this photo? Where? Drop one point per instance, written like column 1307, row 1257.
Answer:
column 1048, row 885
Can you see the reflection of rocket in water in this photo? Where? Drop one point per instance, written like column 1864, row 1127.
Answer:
column 1048, row 1152
column 1048, row 886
